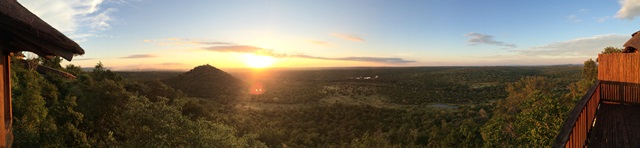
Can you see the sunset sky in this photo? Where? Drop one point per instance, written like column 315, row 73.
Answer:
column 179, row 35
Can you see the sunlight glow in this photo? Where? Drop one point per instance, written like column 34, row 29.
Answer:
column 258, row 61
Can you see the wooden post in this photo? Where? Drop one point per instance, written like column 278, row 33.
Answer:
column 8, row 109
column 621, row 92
column 4, row 95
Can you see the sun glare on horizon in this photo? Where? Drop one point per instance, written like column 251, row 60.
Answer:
column 258, row 61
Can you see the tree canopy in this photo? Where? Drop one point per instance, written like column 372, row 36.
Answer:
column 102, row 109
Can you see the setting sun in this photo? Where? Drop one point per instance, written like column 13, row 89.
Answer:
column 258, row 61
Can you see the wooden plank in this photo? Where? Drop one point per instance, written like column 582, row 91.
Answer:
column 8, row 110
column 3, row 92
column 616, row 126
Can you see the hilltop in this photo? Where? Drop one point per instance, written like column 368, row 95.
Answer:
column 206, row 81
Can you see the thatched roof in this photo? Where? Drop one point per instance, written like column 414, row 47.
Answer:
column 21, row 30
column 633, row 44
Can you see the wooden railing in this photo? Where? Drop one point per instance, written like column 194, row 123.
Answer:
column 575, row 130
column 620, row 92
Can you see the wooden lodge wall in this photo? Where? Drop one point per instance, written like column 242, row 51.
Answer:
column 619, row 67
column 620, row 76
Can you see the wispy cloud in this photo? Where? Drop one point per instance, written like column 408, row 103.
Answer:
column 574, row 51
column 348, row 37
column 139, row 56
column 574, row 18
column 362, row 59
column 245, row 49
column 152, row 66
column 580, row 47
column 629, row 9
column 323, row 43
column 79, row 19
column 214, row 43
column 215, row 46
column 477, row 39
column 269, row 52
column 84, row 59
column 583, row 10
column 602, row 19
column 181, row 41
column 171, row 64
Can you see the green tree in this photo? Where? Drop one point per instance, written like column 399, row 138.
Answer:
column 41, row 118
column 31, row 121
column 541, row 122
column 531, row 103
column 610, row 49
column 579, row 88
column 590, row 70
column 371, row 140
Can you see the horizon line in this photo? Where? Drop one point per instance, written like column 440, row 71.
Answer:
column 327, row 68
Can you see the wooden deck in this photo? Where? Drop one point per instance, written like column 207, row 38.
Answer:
column 616, row 126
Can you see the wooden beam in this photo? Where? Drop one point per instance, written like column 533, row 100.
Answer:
column 6, row 136
column 8, row 109
column 3, row 104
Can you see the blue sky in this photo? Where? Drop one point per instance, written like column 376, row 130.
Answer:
column 164, row 34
